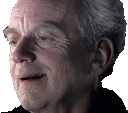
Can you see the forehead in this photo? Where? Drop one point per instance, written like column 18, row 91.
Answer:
column 26, row 11
column 28, row 7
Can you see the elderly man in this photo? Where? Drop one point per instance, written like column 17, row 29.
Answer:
column 60, row 50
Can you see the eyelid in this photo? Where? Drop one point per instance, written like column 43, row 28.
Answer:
column 43, row 34
column 50, row 33
column 12, row 37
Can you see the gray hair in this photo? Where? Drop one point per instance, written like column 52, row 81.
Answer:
column 98, row 18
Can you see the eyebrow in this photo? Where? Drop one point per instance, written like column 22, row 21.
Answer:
column 9, row 30
column 46, row 25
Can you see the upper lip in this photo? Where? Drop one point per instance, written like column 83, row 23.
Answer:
column 28, row 75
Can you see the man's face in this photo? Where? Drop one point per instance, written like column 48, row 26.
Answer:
column 44, row 39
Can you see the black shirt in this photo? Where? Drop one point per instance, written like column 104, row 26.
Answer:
column 106, row 101
column 102, row 101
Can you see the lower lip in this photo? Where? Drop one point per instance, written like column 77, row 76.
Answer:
column 32, row 80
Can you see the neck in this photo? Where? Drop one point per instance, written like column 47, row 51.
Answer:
column 73, row 104
column 77, row 104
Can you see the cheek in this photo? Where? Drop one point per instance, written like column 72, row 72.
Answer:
column 59, row 64
column 53, row 58
column 12, row 66
column 61, row 76
column 57, row 61
column 64, row 72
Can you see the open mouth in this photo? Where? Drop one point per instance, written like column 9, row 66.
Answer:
column 33, row 77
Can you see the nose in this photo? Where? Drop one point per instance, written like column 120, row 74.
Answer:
column 23, row 51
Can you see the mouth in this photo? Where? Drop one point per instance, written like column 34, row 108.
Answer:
column 32, row 77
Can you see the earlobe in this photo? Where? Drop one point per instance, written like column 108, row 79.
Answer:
column 103, row 56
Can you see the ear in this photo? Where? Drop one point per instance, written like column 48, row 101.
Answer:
column 102, row 57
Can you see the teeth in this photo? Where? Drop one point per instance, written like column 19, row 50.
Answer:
column 40, row 74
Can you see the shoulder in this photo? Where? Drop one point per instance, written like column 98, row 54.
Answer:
column 19, row 109
column 107, row 101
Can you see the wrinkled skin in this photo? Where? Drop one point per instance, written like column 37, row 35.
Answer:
column 66, row 85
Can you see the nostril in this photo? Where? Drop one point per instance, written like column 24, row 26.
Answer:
column 23, row 60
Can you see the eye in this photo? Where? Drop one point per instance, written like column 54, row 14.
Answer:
column 45, row 41
column 44, row 38
column 13, row 42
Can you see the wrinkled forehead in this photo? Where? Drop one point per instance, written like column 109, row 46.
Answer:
column 37, row 5
column 26, row 13
column 35, row 8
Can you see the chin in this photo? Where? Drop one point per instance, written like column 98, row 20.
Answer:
column 32, row 105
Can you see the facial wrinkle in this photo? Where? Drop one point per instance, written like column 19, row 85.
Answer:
column 64, row 45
